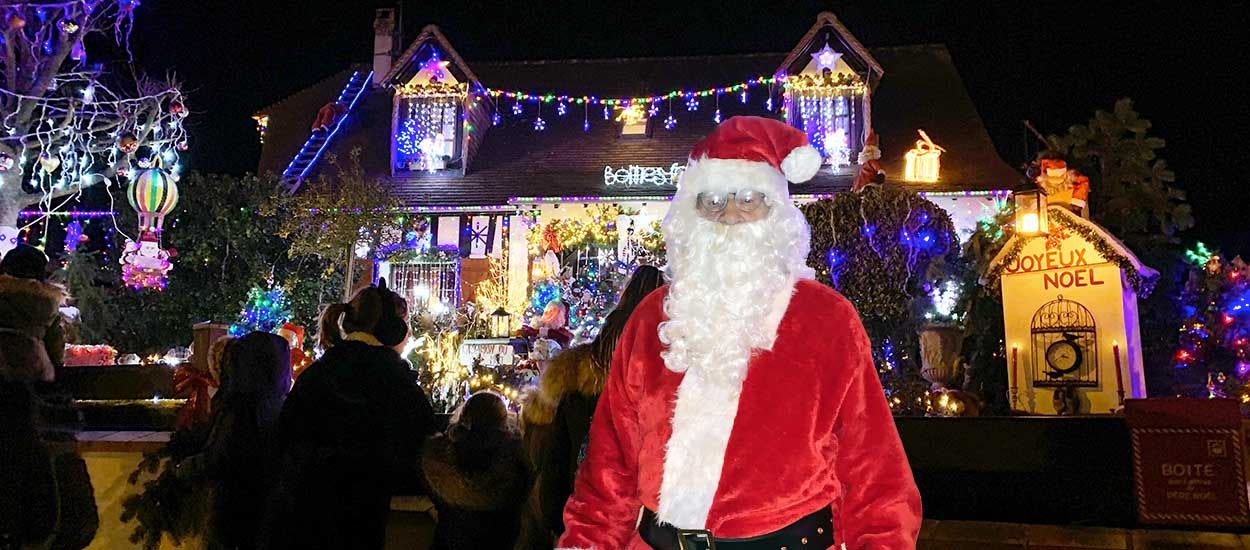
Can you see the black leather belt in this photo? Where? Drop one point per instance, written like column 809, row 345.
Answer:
column 813, row 532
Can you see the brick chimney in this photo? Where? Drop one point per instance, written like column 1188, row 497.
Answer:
column 383, row 43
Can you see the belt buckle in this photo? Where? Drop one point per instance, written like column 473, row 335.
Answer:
column 706, row 534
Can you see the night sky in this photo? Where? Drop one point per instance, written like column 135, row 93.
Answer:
column 1052, row 63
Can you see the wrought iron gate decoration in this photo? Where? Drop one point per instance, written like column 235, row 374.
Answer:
column 423, row 283
column 1066, row 330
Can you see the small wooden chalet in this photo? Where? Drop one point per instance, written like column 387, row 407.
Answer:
column 487, row 148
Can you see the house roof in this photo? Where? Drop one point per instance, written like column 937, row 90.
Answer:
column 922, row 91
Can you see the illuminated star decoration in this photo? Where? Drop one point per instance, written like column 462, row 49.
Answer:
column 435, row 69
column 826, row 57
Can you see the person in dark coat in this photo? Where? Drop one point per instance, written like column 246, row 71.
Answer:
column 30, row 318
column 351, row 430
column 478, row 478
column 558, row 415
column 239, row 456
column 46, row 498
column 27, row 486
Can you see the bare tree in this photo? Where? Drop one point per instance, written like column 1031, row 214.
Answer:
column 66, row 124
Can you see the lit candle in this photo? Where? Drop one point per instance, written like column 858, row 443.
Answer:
column 1119, row 377
column 1015, row 375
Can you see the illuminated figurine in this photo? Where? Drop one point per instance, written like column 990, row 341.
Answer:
column 871, row 172
column 328, row 114
column 145, row 264
column 1064, row 186
column 294, row 336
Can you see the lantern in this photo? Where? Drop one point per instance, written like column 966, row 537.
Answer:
column 1031, row 212
column 502, row 321
column 153, row 195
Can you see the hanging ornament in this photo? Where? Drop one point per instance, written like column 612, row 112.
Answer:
column 768, row 104
column 122, row 168
column 539, row 123
column 516, row 108
column 716, row 116
column 561, row 109
column 49, row 162
column 16, row 22
column 146, row 157
column 183, row 145
column 585, row 118
column 692, row 104
column 178, row 109
column 670, row 122
column 606, row 113
column 743, row 96
column 495, row 119
column 6, row 161
column 67, row 26
column 654, row 109
column 128, row 143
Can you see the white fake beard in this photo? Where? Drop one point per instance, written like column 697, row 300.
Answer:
column 722, row 281
column 729, row 287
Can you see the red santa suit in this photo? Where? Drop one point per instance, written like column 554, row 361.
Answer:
column 810, row 430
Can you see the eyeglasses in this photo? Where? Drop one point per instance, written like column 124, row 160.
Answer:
column 746, row 200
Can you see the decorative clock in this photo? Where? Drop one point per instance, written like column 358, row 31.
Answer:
column 1064, row 356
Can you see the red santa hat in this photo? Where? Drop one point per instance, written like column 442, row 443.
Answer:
column 748, row 150
column 1057, row 165
column 294, row 334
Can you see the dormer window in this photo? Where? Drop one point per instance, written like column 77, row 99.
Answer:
column 829, row 77
column 427, row 126
column 826, row 102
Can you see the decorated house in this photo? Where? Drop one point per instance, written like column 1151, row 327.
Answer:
column 559, row 170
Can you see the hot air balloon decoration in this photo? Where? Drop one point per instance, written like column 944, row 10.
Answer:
column 153, row 195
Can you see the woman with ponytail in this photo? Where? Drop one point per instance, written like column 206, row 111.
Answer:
column 351, row 430
column 478, row 478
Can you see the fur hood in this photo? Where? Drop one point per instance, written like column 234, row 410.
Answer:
column 28, row 305
column 502, row 484
column 574, row 370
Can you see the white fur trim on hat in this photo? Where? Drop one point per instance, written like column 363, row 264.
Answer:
column 801, row 164
column 732, row 175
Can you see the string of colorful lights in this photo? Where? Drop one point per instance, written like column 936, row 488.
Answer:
column 593, row 99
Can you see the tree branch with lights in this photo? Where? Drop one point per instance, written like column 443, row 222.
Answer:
column 65, row 123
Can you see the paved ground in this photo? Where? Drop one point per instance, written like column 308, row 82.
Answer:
column 962, row 535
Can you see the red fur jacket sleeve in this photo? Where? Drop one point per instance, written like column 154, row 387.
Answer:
column 604, row 507
column 880, row 507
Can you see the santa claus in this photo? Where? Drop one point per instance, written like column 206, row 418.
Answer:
column 742, row 408
column 871, row 172
column 1063, row 186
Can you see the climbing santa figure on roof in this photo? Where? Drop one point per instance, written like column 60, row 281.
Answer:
column 742, row 408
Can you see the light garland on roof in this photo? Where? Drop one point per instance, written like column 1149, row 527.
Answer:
column 549, row 97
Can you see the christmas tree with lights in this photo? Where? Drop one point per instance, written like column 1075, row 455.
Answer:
column 1213, row 358
column 265, row 310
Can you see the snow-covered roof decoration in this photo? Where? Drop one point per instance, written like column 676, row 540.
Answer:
column 1140, row 277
